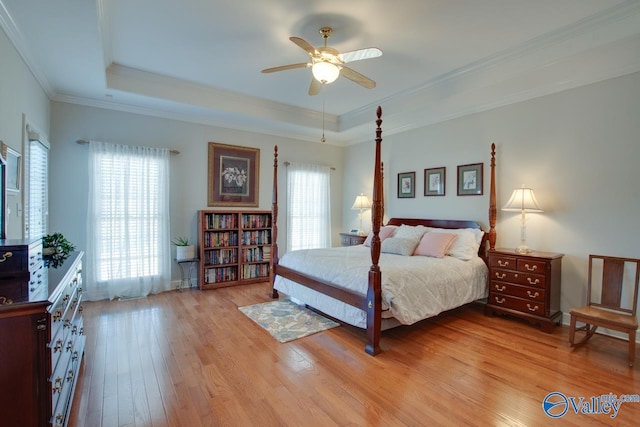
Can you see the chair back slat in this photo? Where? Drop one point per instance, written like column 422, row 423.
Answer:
column 612, row 275
column 612, row 282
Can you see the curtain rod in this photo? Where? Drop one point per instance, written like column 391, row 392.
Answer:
column 84, row 141
column 288, row 163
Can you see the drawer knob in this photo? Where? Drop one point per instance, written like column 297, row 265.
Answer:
column 70, row 345
column 531, row 268
column 5, row 256
column 58, row 346
column 75, row 356
column 500, row 288
column 533, row 282
column 499, row 300
column 5, row 301
column 534, row 308
column 503, row 263
column 501, row 276
column 533, row 295
column 57, row 315
column 70, row 376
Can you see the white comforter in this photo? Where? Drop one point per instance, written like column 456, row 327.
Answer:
column 413, row 287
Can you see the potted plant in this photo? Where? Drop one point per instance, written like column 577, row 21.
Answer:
column 56, row 249
column 184, row 250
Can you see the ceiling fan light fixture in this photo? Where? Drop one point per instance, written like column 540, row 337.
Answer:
column 325, row 72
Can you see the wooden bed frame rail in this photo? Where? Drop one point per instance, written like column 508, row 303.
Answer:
column 372, row 302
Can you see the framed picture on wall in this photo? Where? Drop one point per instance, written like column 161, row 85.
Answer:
column 470, row 180
column 434, row 181
column 406, row 185
column 233, row 175
column 12, row 160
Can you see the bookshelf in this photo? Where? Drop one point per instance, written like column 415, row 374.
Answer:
column 234, row 248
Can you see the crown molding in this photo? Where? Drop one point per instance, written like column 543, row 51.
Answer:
column 17, row 39
column 210, row 119
column 610, row 28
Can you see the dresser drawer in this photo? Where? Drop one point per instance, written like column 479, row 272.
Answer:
column 518, row 304
column 531, row 266
column 502, row 261
column 525, row 292
column 14, row 259
column 526, row 279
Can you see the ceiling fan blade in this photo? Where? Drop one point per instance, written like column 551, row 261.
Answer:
column 287, row 67
column 357, row 55
column 304, row 45
column 357, row 77
column 315, row 87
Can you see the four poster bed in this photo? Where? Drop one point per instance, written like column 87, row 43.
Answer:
column 348, row 283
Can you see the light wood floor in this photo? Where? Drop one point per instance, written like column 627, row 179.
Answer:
column 193, row 359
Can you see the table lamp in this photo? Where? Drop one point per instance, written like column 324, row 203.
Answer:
column 522, row 200
column 361, row 203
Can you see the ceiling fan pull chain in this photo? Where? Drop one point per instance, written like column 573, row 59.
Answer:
column 323, row 139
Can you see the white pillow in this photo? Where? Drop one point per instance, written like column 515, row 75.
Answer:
column 466, row 245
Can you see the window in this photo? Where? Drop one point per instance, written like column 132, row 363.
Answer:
column 308, row 207
column 128, row 220
column 37, row 197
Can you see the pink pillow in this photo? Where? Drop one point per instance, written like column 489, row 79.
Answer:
column 385, row 232
column 435, row 244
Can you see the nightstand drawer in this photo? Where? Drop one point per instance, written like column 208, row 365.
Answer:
column 531, row 266
column 525, row 292
column 525, row 306
column 526, row 279
column 502, row 262
column 347, row 239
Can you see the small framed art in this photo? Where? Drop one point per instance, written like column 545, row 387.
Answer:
column 434, row 181
column 406, row 185
column 470, row 180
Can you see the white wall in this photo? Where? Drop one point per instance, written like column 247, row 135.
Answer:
column 69, row 165
column 579, row 150
column 20, row 94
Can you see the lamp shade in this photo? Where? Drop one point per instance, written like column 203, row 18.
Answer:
column 361, row 202
column 522, row 199
column 325, row 72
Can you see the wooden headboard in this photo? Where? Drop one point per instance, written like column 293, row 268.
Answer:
column 445, row 223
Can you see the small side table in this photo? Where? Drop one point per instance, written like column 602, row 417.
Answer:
column 186, row 267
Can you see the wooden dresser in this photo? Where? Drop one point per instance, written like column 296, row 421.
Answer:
column 526, row 286
column 41, row 336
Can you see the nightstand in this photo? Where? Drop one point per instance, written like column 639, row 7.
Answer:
column 526, row 286
column 348, row 239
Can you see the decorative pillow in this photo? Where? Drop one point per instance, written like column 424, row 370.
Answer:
column 467, row 243
column 385, row 232
column 435, row 244
column 411, row 232
column 399, row 245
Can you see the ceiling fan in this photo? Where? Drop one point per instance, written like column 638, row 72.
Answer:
column 327, row 64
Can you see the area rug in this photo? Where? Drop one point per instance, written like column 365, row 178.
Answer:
column 287, row 321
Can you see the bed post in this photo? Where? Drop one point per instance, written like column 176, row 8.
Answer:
column 274, row 225
column 492, row 200
column 374, row 293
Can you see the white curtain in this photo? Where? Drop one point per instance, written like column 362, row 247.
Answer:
column 128, row 252
column 308, row 207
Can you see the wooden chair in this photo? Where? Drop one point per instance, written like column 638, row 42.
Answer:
column 607, row 310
